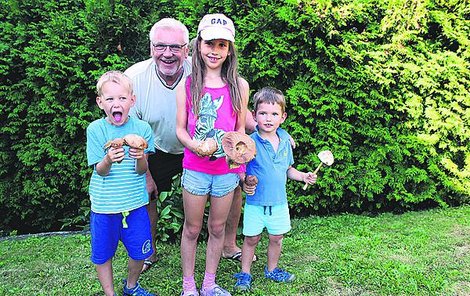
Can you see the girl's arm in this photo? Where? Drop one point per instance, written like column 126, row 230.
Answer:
column 245, row 93
column 294, row 174
column 182, row 118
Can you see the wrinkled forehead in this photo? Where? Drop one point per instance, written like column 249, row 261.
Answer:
column 169, row 35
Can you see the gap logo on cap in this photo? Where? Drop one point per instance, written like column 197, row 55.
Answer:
column 218, row 21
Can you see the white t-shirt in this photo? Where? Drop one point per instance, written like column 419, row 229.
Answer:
column 156, row 103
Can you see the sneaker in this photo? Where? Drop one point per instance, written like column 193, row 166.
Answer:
column 189, row 293
column 136, row 291
column 215, row 290
column 243, row 281
column 279, row 275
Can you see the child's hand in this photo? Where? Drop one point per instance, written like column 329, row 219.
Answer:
column 249, row 186
column 193, row 146
column 309, row 178
column 206, row 147
column 136, row 153
column 115, row 154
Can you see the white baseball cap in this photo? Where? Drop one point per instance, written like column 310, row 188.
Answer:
column 216, row 26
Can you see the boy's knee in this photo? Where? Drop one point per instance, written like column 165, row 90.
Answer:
column 276, row 239
column 252, row 240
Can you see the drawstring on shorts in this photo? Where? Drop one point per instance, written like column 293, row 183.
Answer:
column 124, row 222
column 270, row 210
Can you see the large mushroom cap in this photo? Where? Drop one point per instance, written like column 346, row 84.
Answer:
column 238, row 147
column 116, row 143
column 326, row 157
column 135, row 141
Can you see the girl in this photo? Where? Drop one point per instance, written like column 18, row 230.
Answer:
column 211, row 101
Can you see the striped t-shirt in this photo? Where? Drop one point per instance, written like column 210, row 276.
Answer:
column 122, row 189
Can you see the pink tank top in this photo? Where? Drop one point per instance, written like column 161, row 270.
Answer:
column 216, row 116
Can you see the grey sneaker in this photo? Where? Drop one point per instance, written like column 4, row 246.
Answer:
column 189, row 293
column 279, row 275
column 215, row 290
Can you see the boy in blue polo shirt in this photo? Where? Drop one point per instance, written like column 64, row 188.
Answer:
column 266, row 204
column 117, row 187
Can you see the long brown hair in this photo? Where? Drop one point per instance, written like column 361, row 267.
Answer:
column 229, row 75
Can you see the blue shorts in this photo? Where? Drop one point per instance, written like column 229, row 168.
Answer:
column 276, row 219
column 198, row 183
column 108, row 229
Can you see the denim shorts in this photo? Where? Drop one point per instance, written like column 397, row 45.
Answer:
column 198, row 183
column 108, row 229
column 276, row 219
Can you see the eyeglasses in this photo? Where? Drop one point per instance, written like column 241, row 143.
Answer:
column 174, row 48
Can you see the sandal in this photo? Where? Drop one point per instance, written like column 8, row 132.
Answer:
column 237, row 256
column 148, row 264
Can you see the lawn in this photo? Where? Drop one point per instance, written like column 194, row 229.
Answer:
column 416, row 253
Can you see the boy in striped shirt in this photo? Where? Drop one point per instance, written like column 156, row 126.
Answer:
column 118, row 187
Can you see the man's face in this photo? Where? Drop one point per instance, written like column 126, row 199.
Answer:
column 169, row 50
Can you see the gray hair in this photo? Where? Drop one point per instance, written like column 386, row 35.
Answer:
column 170, row 23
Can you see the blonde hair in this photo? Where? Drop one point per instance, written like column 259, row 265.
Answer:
column 116, row 77
column 229, row 75
column 269, row 95
column 169, row 23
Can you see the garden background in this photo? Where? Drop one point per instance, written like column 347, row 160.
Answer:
column 383, row 84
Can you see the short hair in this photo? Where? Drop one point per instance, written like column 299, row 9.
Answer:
column 170, row 23
column 116, row 77
column 269, row 95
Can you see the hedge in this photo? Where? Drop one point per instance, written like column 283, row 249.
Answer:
column 383, row 84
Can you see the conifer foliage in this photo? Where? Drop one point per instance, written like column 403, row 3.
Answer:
column 384, row 85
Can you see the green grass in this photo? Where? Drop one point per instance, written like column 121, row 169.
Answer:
column 417, row 253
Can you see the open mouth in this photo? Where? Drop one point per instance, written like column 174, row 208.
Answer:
column 117, row 116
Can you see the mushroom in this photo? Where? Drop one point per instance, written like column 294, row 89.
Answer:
column 326, row 158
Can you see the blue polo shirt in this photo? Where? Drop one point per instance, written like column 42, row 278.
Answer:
column 270, row 167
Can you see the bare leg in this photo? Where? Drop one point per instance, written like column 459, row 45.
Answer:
column 153, row 216
column 231, row 227
column 218, row 213
column 133, row 268
column 274, row 251
column 194, row 206
column 105, row 276
column 249, row 246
